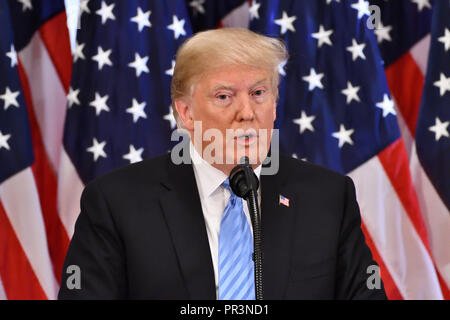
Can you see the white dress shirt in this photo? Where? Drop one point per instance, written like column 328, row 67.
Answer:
column 213, row 199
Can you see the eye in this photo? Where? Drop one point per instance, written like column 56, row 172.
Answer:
column 222, row 96
column 259, row 93
column 223, row 99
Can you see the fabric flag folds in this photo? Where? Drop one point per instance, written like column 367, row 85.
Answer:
column 208, row 14
column 433, row 139
column 372, row 104
column 409, row 33
column 35, row 67
column 119, row 108
column 336, row 110
column 59, row 130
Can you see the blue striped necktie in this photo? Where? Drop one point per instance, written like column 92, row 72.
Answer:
column 236, row 276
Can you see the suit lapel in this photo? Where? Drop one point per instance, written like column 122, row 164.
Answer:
column 182, row 209
column 277, row 223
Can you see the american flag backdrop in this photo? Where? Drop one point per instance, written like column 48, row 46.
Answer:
column 336, row 109
column 35, row 67
column 350, row 99
column 414, row 40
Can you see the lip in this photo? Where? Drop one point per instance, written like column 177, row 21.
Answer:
column 246, row 140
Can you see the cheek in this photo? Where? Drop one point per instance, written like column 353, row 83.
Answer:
column 217, row 120
column 267, row 114
column 220, row 117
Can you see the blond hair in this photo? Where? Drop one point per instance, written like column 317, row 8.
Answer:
column 220, row 47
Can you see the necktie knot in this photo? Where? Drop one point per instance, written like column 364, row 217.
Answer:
column 226, row 184
column 233, row 196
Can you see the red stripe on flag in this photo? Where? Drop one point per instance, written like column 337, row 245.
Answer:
column 46, row 183
column 406, row 84
column 55, row 35
column 390, row 287
column 18, row 277
column 444, row 287
column 394, row 160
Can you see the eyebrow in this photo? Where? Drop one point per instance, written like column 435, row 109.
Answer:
column 223, row 87
column 258, row 83
column 232, row 88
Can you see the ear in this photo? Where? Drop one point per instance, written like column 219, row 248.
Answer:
column 183, row 108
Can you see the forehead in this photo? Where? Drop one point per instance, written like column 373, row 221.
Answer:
column 232, row 76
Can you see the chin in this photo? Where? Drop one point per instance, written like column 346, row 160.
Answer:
column 234, row 156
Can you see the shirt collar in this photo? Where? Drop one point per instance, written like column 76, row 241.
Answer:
column 208, row 177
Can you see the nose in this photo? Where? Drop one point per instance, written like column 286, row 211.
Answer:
column 245, row 111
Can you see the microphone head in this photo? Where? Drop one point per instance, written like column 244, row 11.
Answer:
column 243, row 179
column 244, row 160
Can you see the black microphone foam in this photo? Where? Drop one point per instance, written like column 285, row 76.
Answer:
column 243, row 179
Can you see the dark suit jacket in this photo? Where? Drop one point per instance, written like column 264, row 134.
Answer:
column 141, row 235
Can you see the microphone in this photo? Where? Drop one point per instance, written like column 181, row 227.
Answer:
column 245, row 183
column 243, row 179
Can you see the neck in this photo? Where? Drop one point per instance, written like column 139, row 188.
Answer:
column 226, row 168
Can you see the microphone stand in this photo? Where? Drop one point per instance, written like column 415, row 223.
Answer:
column 244, row 184
column 257, row 254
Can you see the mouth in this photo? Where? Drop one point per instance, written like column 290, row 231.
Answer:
column 246, row 139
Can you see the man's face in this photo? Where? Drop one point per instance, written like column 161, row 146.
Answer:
column 239, row 98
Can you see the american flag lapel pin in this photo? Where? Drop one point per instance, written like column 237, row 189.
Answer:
column 284, row 201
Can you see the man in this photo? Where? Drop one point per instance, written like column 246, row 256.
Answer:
column 161, row 230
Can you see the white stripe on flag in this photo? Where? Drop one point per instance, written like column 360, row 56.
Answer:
column 2, row 290
column 404, row 131
column 420, row 53
column 393, row 233
column 70, row 188
column 48, row 96
column 238, row 18
column 21, row 202
column 435, row 215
